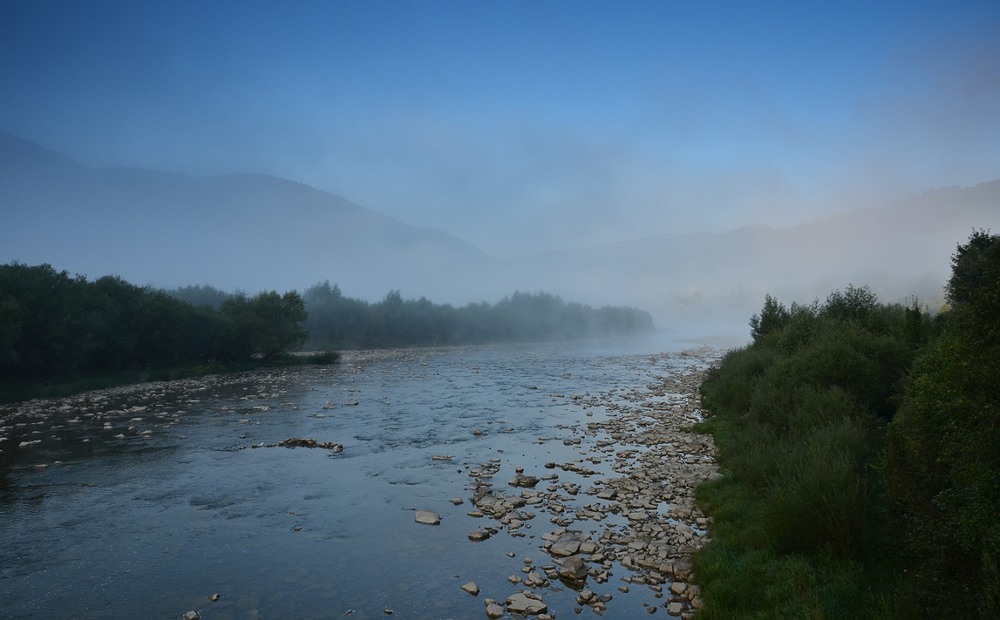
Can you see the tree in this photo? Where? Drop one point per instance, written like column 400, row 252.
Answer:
column 266, row 325
column 773, row 316
column 943, row 463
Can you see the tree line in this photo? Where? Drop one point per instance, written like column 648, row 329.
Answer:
column 860, row 445
column 337, row 321
column 57, row 328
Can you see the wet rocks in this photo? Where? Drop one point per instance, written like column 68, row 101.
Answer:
column 493, row 610
column 471, row 588
column 427, row 517
column 653, row 463
column 520, row 480
column 573, row 569
column 298, row 442
column 527, row 603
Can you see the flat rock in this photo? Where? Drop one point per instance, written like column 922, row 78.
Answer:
column 427, row 517
column 525, row 603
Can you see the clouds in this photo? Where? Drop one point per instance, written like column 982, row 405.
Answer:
column 523, row 126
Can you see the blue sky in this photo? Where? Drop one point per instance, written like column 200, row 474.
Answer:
column 525, row 125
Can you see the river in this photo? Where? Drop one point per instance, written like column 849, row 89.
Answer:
column 145, row 501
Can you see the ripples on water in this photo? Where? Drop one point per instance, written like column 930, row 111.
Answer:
column 147, row 518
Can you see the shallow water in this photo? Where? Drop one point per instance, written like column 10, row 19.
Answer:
column 145, row 502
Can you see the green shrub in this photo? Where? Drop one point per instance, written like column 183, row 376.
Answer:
column 821, row 501
column 943, row 461
column 798, row 419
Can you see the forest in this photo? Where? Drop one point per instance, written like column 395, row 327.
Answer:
column 335, row 321
column 860, row 449
column 63, row 330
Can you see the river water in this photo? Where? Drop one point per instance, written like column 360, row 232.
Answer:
column 141, row 502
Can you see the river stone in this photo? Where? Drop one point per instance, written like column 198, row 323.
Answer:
column 564, row 547
column 525, row 603
column 573, row 569
column 192, row 615
column 478, row 535
column 494, row 611
column 520, row 480
column 471, row 588
column 675, row 609
column 428, row 517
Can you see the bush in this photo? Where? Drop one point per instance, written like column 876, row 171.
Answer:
column 798, row 418
column 943, row 461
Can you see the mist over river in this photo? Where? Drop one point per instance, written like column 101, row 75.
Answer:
column 144, row 501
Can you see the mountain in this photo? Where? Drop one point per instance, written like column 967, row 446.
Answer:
column 900, row 251
column 257, row 232
column 243, row 231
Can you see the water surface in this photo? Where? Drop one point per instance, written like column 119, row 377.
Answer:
column 141, row 502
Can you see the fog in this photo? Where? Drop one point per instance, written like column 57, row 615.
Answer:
column 686, row 159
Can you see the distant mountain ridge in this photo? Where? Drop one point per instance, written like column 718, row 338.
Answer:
column 254, row 232
column 243, row 231
column 902, row 250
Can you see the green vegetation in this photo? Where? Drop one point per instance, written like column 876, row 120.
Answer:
column 60, row 333
column 860, row 447
column 943, row 465
column 336, row 321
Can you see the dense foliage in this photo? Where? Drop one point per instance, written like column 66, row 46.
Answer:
column 943, row 463
column 860, row 445
column 342, row 322
column 57, row 328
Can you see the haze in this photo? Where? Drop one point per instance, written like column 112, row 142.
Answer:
column 523, row 127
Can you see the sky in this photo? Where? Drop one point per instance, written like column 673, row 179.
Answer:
column 523, row 126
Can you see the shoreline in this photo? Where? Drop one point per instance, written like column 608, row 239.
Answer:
column 645, row 511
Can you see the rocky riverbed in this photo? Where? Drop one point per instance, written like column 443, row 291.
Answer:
column 538, row 482
column 642, row 519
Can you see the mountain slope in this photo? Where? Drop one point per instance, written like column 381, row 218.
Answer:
column 258, row 232
column 232, row 231
column 900, row 250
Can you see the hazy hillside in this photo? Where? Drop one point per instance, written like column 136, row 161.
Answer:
column 257, row 232
column 900, row 250
column 232, row 231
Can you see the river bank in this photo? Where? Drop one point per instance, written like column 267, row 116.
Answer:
column 642, row 518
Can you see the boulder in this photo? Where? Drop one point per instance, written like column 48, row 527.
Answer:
column 573, row 569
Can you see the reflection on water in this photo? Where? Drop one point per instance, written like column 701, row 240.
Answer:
column 143, row 501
